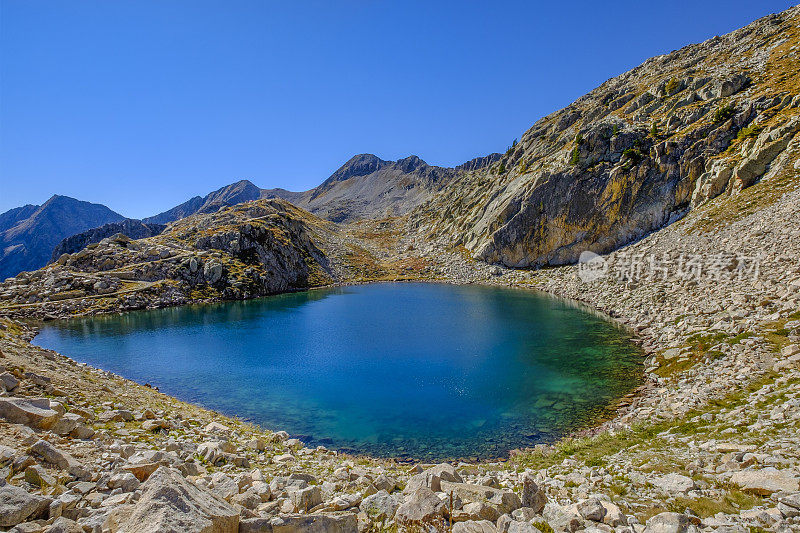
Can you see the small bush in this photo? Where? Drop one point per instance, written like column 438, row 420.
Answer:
column 634, row 155
column 751, row 131
column 672, row 86
column 654, row 132
column 723, row 113
column 575, row 158
column 502, row 168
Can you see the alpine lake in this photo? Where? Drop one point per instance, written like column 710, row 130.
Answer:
column 420, row 371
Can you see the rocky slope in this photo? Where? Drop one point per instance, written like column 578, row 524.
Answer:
column 28, row 234
column 634, row 154
column 369, row 187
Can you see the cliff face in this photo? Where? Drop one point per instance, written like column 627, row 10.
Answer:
column 634, row 154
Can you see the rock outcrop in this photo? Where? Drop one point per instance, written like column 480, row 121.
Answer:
column 130, row 228
column 633, row 155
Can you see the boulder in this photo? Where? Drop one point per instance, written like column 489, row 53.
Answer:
column 247, row 499
column 39, row 477
column 169, row 503
column 614, row 516
column 8, row 382
column 212, row 272
column 52, row 455
column 522, row 527
column 532, row 495
column 125, row 481
column 65, row 525
column 562, row 519
column 383, row 482
column 445, row 472
column 474, row 526
column 17, row 505
column 117, row 415
column 765, row 481
column 477, row 511
column 379, row 506
column 66, row 424
column 503, row 500
column 421, row 506
column 306, row 498
column 32, row 412
column 141, row 471
column 674, row 483
column 669, row 523
column 255, row 525
column 591, row 509
column 316, row 523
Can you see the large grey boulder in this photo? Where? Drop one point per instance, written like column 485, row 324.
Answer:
column 670, row 523
column 562, row 519
column 380, row 506
column 32, row 412
column 65, row 525
column 674, row 483
column 432, row 478
column 445, row 472
column 522, row 527
column 503, row 500
column 170, row 504
column 316, row 523
column 421, row 506
column 532, row 495
column 59, row 458
column 591, row 509
column 474, row 526
column 18, row 505
column 765, row 481
column 306, row 498
column 8, row 382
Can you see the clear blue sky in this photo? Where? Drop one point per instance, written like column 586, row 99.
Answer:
column 141, row 104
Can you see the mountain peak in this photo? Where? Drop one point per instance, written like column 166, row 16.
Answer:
column 358, row 165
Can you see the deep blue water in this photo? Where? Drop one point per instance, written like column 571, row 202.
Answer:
column 427, row 371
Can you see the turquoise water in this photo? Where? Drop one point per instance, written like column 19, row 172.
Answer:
column 425, row 371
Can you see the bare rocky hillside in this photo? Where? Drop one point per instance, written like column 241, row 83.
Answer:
column 634, row 154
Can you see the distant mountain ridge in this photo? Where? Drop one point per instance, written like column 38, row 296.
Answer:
column 235, row 193
column 363, row 187
column 28, row 234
